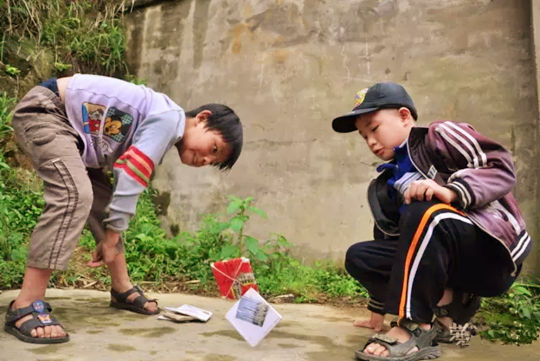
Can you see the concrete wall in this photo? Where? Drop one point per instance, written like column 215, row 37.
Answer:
column 289, row 66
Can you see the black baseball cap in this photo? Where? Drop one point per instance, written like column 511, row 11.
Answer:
column 377, row 97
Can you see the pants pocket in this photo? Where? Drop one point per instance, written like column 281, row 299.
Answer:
column 39, row 135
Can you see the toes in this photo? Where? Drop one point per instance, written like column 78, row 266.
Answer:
column 47, row 331
column 371, row 348
column 57, row 331
column 39, row 332
column 151, row 306
column 376, row 349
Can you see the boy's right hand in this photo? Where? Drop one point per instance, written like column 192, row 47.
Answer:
column 426, row 190
column 106, row 250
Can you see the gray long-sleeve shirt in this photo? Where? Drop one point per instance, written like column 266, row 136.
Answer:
column 125, row 127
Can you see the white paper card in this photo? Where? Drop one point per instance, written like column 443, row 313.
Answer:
column 253, row 317
column 190, row 310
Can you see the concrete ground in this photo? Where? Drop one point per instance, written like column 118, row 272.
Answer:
column 306, row 332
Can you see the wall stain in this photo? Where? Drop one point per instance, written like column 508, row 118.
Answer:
column 161, row 200
column 200, row 27
column 237, row 31
column 169, row 41
column 135, row 40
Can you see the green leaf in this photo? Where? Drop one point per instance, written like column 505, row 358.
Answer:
column 237, row 223
column 234, row 205
column 229, row 251
column 252, row 244
column 258, row 211
column 261, row 256
column 12, row 70
column 19, row 254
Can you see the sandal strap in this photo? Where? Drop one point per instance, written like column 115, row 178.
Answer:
column 39, row 320
column 37, row 307
column 138, row 301
column 420, row 338
column 122, row 297
column 382, row 338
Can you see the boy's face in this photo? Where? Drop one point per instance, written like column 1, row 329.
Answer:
column 385, row 129
column 201, row 146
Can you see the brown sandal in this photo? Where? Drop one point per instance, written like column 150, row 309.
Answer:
column 120, row 300
column 41, row 317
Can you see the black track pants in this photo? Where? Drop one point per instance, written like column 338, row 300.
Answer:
column 438, row 248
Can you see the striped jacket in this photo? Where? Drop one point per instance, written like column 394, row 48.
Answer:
column 478, row 169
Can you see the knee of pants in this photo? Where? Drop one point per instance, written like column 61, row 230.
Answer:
column 74, row 196
column 353, row 261
column 413, row 213
column 85, row 198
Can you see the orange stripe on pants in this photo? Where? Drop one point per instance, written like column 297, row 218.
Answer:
column 412, row 248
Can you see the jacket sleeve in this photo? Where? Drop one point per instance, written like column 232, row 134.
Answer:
column 484, row 171
column 133, row 169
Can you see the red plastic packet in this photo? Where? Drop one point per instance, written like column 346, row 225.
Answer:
column 234, row 277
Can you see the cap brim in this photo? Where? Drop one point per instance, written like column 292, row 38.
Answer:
column 346, row 123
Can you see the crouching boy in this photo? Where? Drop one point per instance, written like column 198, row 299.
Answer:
column 447, row 227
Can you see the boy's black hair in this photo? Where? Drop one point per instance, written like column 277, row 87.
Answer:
column 226, row 122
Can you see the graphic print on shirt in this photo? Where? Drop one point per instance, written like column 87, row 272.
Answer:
column 92, row 115
column 117, row 122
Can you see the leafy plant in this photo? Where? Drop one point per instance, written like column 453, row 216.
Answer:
column 83, row 35
column 243, row 244
column 513, row 317
column 11, row 70
column 20, row 205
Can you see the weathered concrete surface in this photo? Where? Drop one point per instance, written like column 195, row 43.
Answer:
column 306, row 332
column 289, row 66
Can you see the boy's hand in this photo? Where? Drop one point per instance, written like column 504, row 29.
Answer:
column 106, row 250
column 426, row 189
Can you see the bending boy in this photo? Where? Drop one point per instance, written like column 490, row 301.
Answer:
column 445, row 219
column 72, row 128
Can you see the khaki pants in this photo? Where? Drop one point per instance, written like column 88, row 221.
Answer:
column 73, row 194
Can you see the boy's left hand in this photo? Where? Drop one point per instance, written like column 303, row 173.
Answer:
column 106, row 250
column 426, row 190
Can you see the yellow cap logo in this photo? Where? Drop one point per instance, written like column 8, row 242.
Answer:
column 359, row 97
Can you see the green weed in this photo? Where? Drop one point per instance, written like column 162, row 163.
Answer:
column 12, row 70
column 513, row 317
column 20, row 205
column 82, row 36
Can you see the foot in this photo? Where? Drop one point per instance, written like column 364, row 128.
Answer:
column 55, row 331
column 151, row 306
column 398, row 333
column 376, row 322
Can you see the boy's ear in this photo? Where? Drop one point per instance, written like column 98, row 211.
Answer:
column 405, row 115
column 202, row 116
